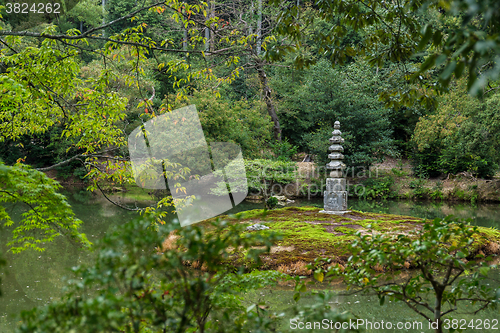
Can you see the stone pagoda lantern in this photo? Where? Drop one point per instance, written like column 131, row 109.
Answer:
column 335, row 196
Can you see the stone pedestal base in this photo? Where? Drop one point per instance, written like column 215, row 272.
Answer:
column 335, row 200
column 335, row 184
column 342, row 212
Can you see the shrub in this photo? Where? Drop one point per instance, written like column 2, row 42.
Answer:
column 378, row 188
column 283, row 151
column 272, row 202
column 461, row 136
column 436, row 195
column 419, row 191
column 243, row 122
column 144, row 289
column 399, row 172
column 264, row 173
column 442, row 253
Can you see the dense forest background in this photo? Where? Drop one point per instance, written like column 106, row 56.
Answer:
column 226, row 62
column 408, row 79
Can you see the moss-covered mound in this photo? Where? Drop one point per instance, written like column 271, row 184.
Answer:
column 309, row 234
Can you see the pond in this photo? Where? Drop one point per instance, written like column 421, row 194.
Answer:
column 363, row 307
column 35, row 278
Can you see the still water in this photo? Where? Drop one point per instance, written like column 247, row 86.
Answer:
column 35, row 278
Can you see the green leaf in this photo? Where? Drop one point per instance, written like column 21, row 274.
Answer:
column 484, row 46
column 319, row 276
column 437, row 37
column 350, row 51
column 446, row 73
column 459, row 69
column 425, row 38
column 484, row 270
column 440, row 59
column 428, row 63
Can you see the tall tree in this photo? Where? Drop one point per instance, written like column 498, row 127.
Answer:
column 90, row 112
column 397, row 35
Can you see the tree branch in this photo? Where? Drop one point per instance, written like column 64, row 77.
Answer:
column 77, row 157
column 69, row 160
column 82, row 35
column 115, row 203
column 449, row 311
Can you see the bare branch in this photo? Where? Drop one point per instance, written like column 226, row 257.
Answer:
column 80, row 36
column 116, row 203
column 76, row 157
column 69, row 160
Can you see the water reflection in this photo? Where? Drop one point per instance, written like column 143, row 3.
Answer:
column 486, row 215
column 34, row 278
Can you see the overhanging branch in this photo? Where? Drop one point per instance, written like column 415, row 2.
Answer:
column 81, row 35
column 76, row 157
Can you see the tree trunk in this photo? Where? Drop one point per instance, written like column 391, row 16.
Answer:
column 211, row 14
column 437, row 308
column 266, row 95
column 185, row 40
column 259, row 27
column 207, row 38
column 250, row 28
column 104, row 17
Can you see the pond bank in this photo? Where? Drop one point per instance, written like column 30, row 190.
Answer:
column 389, row 180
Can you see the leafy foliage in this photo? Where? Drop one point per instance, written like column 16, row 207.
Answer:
column 48, row 214
column 283, row 151
column 324, row 95
column 419, row 190
column 36, row 78
column 86, row 14
column 461, row 136
column 377, row 188
column 261, row 172
column 133, row 287
column 272, row 202
column 44, row 150
column 321, row 309
column 2, row 263
column 396, row 35
column 31, row 19
column 440, row 252
column 242, row 122
column 47, row 93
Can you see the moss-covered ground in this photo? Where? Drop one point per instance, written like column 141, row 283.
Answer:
column 308, row 234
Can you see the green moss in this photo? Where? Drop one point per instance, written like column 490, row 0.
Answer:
column 308, row 234
column 134, row 192
column 316, row 218
column 303, row 208
column 246, row 214
column 303, row 230
column 345, row 230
